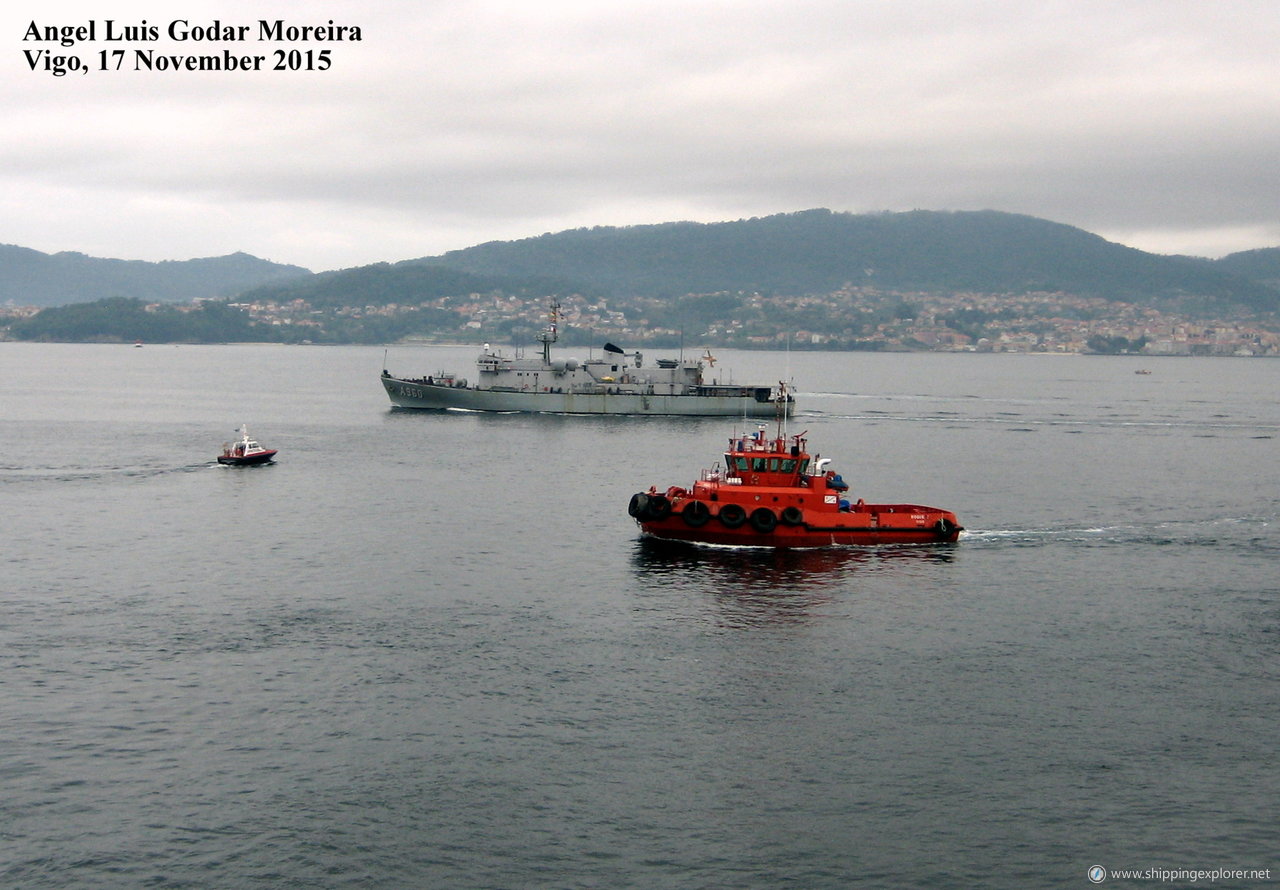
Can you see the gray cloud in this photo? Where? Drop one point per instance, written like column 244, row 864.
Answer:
column 450, row 123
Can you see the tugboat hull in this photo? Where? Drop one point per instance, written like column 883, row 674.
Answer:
column 873, row 524
column 770, row 492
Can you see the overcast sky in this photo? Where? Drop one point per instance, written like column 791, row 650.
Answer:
column 1155, row 124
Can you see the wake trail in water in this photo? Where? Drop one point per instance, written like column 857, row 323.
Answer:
column 1250, row 532
column 12, row 475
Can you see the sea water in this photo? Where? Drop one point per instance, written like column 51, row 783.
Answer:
column 432, row 650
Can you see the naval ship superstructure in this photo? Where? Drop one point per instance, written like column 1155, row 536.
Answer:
column 617, row 383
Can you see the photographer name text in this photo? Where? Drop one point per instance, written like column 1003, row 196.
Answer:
column 59, row 50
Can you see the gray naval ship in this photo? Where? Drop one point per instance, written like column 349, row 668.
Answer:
column 619, row 383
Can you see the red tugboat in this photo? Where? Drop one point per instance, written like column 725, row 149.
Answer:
column 772, row 494
column 245, row 452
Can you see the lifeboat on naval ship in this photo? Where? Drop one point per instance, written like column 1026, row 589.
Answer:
column 771, row 493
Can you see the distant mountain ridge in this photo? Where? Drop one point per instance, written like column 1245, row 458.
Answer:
column 807, row 252
column 818, row 251
column 31, row 278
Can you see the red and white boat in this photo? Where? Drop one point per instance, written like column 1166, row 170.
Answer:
column 771, row 493
column 245, row 452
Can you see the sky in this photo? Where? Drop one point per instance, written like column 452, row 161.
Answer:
column 1153, row 123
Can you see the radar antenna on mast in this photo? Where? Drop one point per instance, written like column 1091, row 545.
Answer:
column 550, row 333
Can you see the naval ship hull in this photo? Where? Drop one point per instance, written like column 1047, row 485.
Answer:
column 708, row 401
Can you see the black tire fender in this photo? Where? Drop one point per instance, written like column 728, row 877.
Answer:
column 639, row 503
column 695, row 514
column 732, row 515
column 659, row 507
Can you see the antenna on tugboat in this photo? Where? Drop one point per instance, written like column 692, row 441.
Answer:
column 781, row 409
column 783, row 393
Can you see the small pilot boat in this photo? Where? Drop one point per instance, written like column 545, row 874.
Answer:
column 772, row 493
column 245, row 452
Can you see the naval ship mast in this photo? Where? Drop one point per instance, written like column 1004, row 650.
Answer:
column 549, row 334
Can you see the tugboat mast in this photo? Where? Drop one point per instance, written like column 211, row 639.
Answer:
column 780, row 405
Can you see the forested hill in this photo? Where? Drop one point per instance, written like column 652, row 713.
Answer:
column 817, row 251
column 1259, row 265
column 810, row 252
column 411, row 282
column 31, row 278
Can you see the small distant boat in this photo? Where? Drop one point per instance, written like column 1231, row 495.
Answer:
column 245, row 452
column 1142, row 371
column 770, row 493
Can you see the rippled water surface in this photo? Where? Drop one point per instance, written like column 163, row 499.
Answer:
column 430, row 650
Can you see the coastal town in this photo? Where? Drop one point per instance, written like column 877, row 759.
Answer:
column 849, row 319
